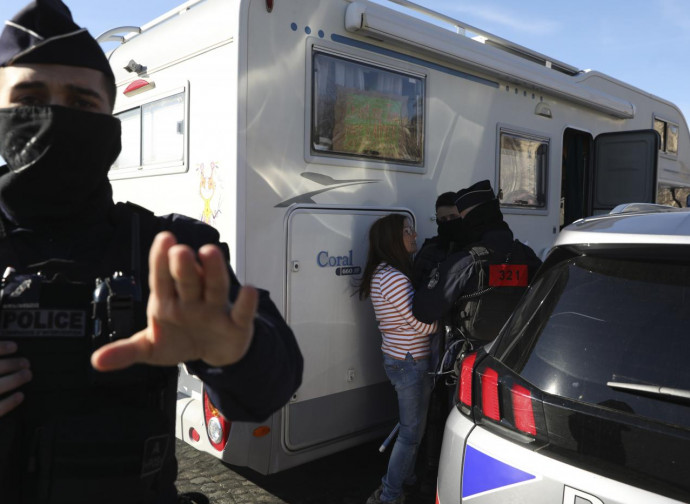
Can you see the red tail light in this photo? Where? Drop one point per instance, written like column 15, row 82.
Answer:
column 465, row 385
column 522, row 409
column 490, row 406
column 217, row 427
column 500, row 401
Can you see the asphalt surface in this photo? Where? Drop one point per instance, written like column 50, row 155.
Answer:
column 348, row 477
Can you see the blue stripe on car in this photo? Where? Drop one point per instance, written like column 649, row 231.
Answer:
column 482, row 473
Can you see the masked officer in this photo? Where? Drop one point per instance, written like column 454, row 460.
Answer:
column 475, row 288
column 434, row 250
column 87, row 413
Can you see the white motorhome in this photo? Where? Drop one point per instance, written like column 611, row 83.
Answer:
column 291, row 125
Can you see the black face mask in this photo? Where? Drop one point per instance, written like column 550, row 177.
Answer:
column 452, row 231
column 57, row 164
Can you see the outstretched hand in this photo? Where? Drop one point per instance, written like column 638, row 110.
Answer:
column 189, row 316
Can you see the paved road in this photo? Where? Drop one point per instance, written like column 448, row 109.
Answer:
column 345, row 478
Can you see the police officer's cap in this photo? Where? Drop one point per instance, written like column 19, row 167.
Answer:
column 44, row 32
column 478, row 193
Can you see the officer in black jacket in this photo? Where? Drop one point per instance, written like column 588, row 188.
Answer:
column 476, row 288
column 435, row 250
column 87, row 413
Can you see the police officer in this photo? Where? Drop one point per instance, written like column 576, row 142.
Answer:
column 435, row 250
column 59, row 225
column 451, row 291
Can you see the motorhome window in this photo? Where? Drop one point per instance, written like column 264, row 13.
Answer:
column 676, row 196
column 522, row 170
column 162, row 130
column 131, row 140
column 363, row 111
column 669, row 136
column 153, row 134
column 660, row 127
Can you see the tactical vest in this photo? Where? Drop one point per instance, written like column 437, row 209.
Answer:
column 501, row 281
column 81, row 436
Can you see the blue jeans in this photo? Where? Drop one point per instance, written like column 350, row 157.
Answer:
column 413, row 385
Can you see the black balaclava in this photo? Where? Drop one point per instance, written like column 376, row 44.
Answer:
column 486, row 214
column 57, row 158
column 57, row 165
column 485, row 217
column 452, row 231
column 448, row 231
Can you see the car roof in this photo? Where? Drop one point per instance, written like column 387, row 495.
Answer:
column 633, row 224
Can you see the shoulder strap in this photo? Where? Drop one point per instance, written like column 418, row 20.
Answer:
column 479, row 253
column 133, row 225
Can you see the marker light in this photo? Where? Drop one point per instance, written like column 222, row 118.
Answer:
column 261, row 431
column 138, row 86
column 193, row 434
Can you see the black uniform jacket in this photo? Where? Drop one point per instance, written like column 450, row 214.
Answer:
column 249, row 390
column 436, row 295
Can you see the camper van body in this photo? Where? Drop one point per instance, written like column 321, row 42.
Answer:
column 292, row 125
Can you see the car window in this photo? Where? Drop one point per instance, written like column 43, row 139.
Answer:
column 592, row 320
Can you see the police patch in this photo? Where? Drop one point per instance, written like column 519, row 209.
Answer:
column 433, row 281
column 26, row 284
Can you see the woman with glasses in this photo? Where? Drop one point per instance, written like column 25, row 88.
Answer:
column 406, row 349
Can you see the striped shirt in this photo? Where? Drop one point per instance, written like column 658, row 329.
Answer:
column 391, row 295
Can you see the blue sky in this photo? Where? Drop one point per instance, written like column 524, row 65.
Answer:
column 643, row 42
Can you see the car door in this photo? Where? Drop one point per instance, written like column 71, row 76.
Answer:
column 624, row 169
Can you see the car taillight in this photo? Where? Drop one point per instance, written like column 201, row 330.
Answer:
column 493, row 395
column 490, row 407
column 465, row 385
column 217, row 427
column 522, row 409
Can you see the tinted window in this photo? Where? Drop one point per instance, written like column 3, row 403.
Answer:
column 591, row 320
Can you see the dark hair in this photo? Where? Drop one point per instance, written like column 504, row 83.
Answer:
column 386, row 244
column 446, row 199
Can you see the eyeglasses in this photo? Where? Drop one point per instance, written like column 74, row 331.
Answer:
column 409, row 231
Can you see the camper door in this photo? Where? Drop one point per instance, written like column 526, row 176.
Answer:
column 624, row 169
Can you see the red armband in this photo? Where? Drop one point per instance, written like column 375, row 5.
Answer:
column 508, row 275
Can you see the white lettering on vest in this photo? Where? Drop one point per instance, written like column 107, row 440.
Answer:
column 46, row 322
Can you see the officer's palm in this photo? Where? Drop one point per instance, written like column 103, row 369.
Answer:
column 189, row 317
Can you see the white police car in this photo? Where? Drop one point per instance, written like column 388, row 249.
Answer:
column 584, row 398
